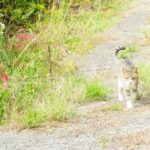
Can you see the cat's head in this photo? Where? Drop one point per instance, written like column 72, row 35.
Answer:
column 130, row 73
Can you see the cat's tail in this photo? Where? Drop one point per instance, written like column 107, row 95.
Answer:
column 117, row 50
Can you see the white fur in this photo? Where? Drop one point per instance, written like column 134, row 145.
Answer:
column 129, row 81
column 129, row 104
column 121, row 98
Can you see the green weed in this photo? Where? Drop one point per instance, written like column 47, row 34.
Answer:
column 32, row 117
column 147, row 36
column 113, row 107
column 129, row 51
column 144, row 76
column 95, row 90
column 104, row 141
column 90, row 89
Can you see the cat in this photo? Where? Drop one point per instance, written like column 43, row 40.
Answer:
column 127, row 79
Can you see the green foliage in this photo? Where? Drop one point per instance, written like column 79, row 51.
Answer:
column 1, row 36
column 147, row 36
column 4, row 99
column 43, row 84
column 104, row 141
column 20, row 13
column 144, row 75
column 128, row 52
column 95, row 90
column 91, row 90
column 32, row 117
column 113, row 107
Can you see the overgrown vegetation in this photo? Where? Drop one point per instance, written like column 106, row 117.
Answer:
column 43, row 82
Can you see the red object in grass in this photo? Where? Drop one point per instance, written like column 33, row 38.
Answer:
column 4, row 78
column 23, row 35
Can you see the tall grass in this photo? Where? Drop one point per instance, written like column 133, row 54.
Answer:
column 144, row 75
column 43, row 82
column 51, row 99
column 80, row 28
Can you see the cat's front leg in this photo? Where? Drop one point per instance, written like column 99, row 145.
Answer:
column 130, row 99
column 120, row 91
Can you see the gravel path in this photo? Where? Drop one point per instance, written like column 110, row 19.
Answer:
column 96, row 128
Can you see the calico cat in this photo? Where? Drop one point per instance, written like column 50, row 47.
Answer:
column 127, row 79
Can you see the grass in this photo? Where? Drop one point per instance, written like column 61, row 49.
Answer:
column 144, row 76
column 144, row 69
column 147, row 37
column 92, row 90
column 44, row 84
column 51, row 99
column 129, row 51
column 81, row 29
column 96, row 90
column 32, row 117
column 104, row 141
column 113, row 107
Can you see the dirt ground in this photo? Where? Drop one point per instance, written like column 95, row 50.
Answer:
column 97, row 128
